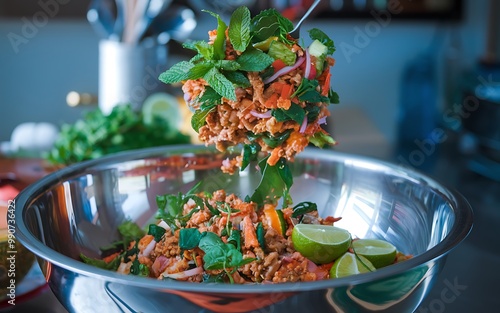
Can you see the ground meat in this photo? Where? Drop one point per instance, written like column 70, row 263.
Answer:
column 168, row 245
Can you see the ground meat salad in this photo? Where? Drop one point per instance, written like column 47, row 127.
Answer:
column 252, row 84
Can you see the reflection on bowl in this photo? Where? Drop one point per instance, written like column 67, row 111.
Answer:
column 78, row 208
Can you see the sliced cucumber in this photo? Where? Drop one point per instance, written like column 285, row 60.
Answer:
column 319, row 51
column 279, row 50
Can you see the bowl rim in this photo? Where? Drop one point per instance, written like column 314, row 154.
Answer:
column 458, row 232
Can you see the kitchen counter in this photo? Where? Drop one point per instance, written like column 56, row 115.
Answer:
column 469, row 280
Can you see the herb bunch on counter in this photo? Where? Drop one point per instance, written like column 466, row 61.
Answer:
column 98, row 134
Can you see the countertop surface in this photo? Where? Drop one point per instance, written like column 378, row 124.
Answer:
column 469, row 281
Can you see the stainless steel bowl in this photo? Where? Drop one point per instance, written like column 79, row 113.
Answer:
column 78, row 208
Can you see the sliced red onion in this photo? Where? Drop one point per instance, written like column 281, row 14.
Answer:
column 266, row 114
column 160, row 264
column 185, row 274
column 303, row 126
column 149, row 248
column 285, row 70
column 307, row 71
column 322, row 120
column 164, row 225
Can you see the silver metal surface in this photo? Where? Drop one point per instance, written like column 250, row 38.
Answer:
column 78, row 209
column 128, row 74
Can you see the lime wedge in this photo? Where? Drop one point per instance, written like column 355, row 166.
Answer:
column 350, row 264
column 320, row 243
column 163, row 106
column 380, row 252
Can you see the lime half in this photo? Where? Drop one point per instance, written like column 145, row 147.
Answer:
column 350, row 264
column 163, row 106
column 380, row 252
column 320, row 243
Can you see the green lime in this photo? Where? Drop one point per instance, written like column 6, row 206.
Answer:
column 350, row 264
column 380, row 252
column 320, row 243
column 164, row 106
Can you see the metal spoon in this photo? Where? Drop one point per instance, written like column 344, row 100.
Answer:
column 295, row 33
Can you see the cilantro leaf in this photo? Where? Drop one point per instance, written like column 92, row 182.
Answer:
column 319, row 35
column 295, row 113
column 220, row 83
column 176, row 73
column 219, row 45
column 239, row 28
column 254, row 60
column 334, row 97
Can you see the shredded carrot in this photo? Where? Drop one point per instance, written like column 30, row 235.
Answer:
column 286, row 91
column 272, row 102
column 274, row 157
column 110, row 257
column 324, row 81
column 249, row 233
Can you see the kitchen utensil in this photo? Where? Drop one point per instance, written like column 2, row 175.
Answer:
column 78, row 208
column 100, row 15
column 295, row 33
column 149, row 14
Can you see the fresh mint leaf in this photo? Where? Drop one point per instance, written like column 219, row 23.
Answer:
column 199, row 118
column 227, row 65
column 303, row 208
column 275, row 182
column 319, row 35
column 295, row 113
column 205, row 50
column 189, row 238
column 156, row 231
column 250, row 153
column 220, row 83
column 312, row 112
column 235, row 239
column 219, row 45
column 307, row 91
column 254, row 60
column 272, row 16
column 238, row 78
column 265, row 27
column 239, row 28
column 176, row 73
column 199, row 70
column 277, row 140
column 261, row 235
column 209, row 99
